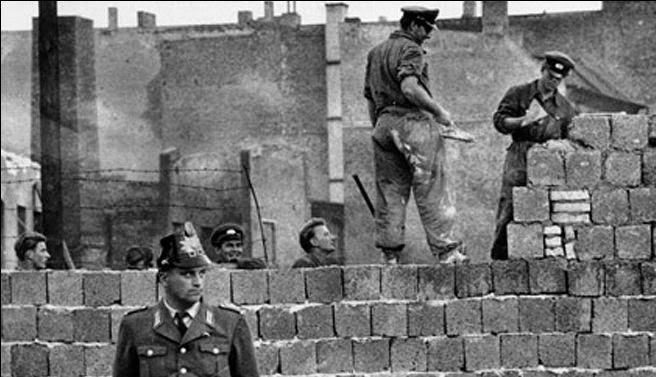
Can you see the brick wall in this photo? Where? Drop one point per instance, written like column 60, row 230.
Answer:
column 522, row 317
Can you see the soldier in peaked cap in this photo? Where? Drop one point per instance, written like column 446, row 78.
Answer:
column 228, row 241
column 408, row 139
column 181, row 335
column 534, row 112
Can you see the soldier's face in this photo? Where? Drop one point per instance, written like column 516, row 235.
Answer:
column 183, row 287
column 232, row 249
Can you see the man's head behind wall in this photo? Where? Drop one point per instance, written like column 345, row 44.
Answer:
column 315, row 235
column 228, row 240
column 31, row 250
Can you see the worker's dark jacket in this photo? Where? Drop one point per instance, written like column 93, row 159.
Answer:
column 217, row 343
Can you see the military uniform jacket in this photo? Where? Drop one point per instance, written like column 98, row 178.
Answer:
column 217, row 343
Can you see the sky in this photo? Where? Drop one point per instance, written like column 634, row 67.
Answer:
column 17, row 15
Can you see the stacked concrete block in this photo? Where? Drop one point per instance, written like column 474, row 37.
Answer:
column 595, row 198
column 537, row 317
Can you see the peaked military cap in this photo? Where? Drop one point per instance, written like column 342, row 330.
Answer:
column 183, row 250
column 226, row 232
column 424, row 14
column 558, row 62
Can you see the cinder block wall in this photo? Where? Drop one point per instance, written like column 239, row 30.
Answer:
column 523, row 317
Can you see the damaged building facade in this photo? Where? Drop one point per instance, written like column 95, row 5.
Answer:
column 189, row 122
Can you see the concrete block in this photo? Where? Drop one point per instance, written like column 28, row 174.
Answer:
column 361, row 282
column 623, row 169
column 591, row 131
column 389, row 319
column 101, row 288
column 569, row 250
column 91, row 325
column 570, row 218
column 500, row 315
column 298, row 357
column 610, row 207
column 268, row 358
column 249, row 286
column 19, row 323
column 65, row 288
column 557, row 350
column 436, row 282
column 652, row 348
column 595, row 242
column 554, row 252
column 648, row 270
column 67, row 360
column 286, row 286
column 138, row 288
column 593, row 351
column 5, row 286
column 482, row 352
column 510, row 277
column 463, row 317
column 323, row 284
column 530, row 204
column 553, row 242
column 609, row 315
column 473, row 280
column 116, row 314
column 519, row 350
column 425, row 319
column 623, row 278
column 371, row 355
column 98, row 359
column 649, row 167
column 629, row 132
column 643, row 204
column 28, row 288
column 445, row 354
column 559, row 195
column 217, row 289
column 525, row 241
column 536, row 314
column 630, row 351
column 5, row 359
column 633, row 242
column 583, row 168
column 547, row 275
column 399, row 282
column 408, row 355
column 585, row 278
column 55, row 324
column 573, row 314
column 29, row 360
column 570, row 233
column 334, row 356
column 352, row 320
column 573, row 207
column 276, row 323
column 545, row 167
column 641, row 314
column 552, row 230
column 315, row 321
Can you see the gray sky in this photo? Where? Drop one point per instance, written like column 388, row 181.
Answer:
column 16, row 15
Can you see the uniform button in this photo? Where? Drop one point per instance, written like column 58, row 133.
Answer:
column 149, row 353
column 183, row 370
column 183, row 350
column 216, row 351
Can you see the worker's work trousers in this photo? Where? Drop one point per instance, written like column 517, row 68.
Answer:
column 409, row 153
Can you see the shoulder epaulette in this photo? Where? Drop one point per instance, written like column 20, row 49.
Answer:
column 136, row 310
column 230, row 307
